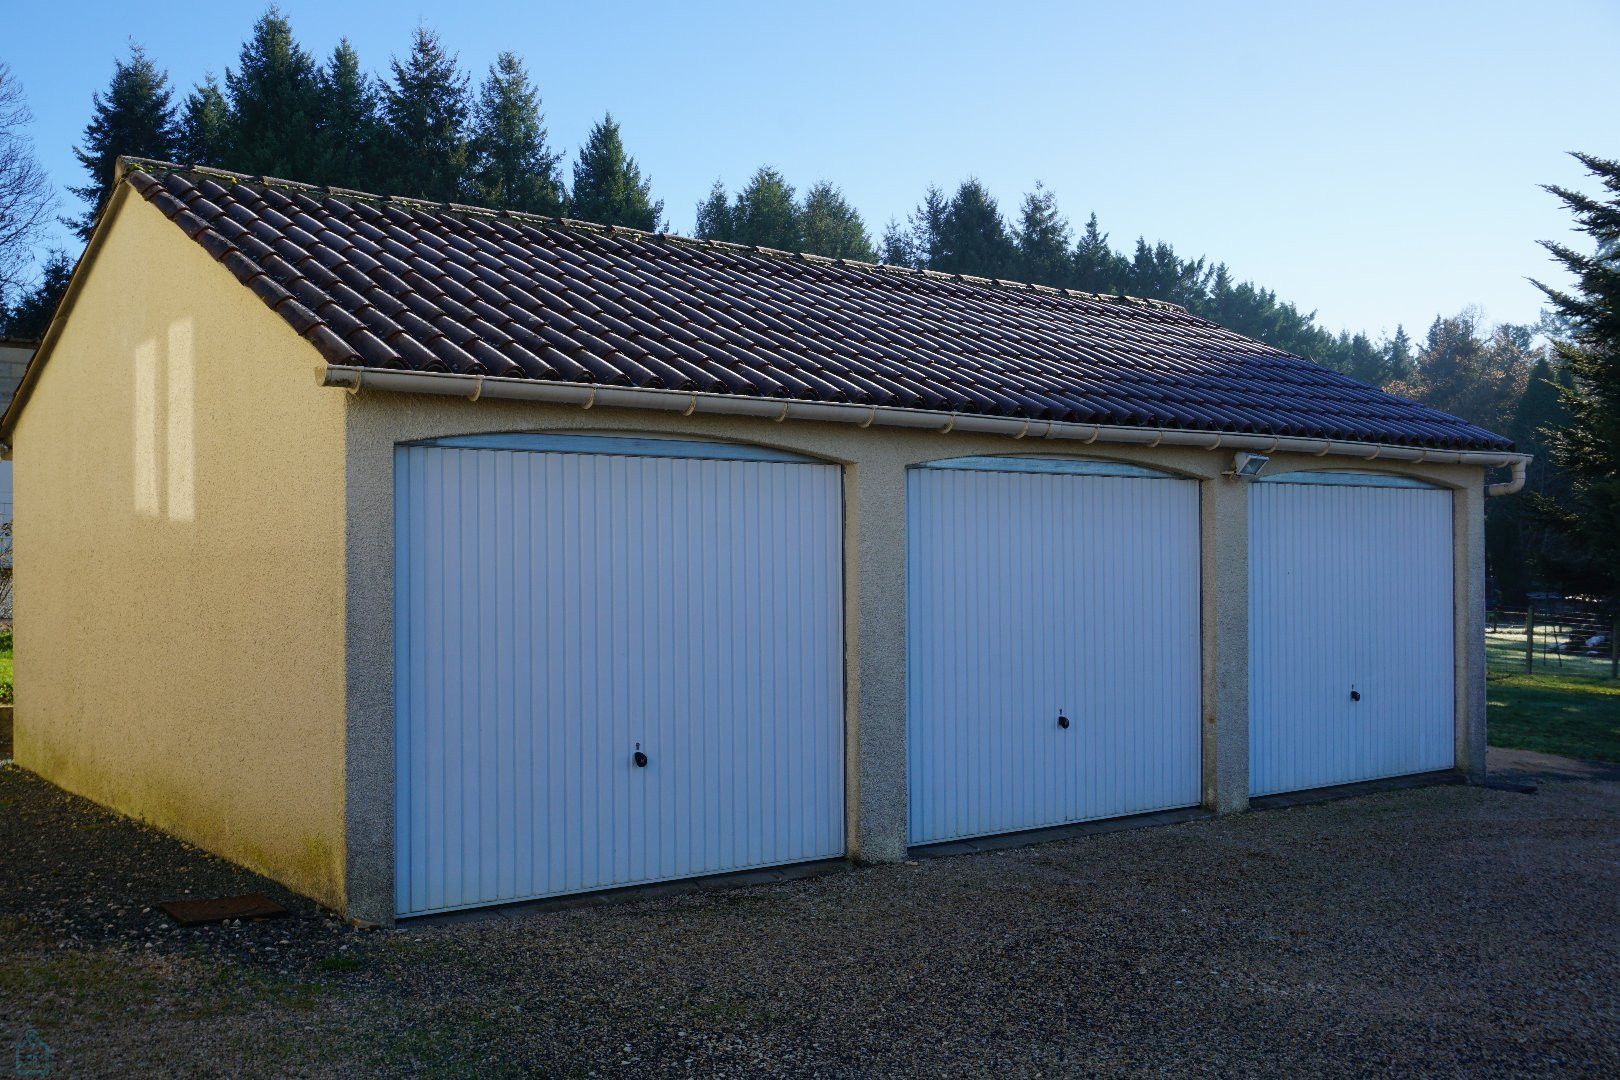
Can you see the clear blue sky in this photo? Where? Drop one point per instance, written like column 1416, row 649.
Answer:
column 1377, row 162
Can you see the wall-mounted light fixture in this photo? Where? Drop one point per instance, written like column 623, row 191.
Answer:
column 1247, row 466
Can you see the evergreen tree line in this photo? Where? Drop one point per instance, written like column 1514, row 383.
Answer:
column 766, row 213
column 966, row 233
column 423, row 130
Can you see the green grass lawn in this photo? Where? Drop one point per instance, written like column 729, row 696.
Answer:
column 1555, row 714
column 1569, row 706
column 1504, row 655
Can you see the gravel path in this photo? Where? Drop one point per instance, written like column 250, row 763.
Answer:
column 1443, row 931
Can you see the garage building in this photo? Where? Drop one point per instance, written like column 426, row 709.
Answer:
column 423, row 557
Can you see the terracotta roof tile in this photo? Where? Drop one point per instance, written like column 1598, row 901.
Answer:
column 393, row 283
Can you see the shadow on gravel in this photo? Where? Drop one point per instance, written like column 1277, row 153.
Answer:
column 1445, row 930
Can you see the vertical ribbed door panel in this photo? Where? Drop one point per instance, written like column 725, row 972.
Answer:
column 557, row 612
column 1032, row 595
column 1350, row 591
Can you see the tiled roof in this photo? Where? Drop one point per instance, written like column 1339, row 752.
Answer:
column 391, row 283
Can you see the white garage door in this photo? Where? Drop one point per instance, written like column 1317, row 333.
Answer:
column 564, row 604
column 1053, row 644
column 1351, row 672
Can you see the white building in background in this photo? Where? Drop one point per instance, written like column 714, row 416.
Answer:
column 14, row 357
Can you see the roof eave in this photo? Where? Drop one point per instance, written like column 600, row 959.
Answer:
column 590, row 395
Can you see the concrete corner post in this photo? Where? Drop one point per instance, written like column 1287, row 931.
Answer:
column 1225, row 581
column 1468, row 562
column 875, row 648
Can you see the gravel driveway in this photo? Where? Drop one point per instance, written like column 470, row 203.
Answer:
column 1439, row 931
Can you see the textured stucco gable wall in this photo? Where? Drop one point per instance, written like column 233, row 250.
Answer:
column 179, row 554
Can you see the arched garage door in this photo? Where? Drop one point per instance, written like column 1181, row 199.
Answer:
column 1351, row 673
column 1053, row 644
column 565, row 604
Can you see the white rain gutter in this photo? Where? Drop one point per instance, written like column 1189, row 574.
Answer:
column 590, row 395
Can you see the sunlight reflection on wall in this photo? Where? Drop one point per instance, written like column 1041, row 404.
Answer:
column 165, row 412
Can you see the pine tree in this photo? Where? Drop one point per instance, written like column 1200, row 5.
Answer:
column 1540, row 414
column 348, row 127
column 134, row 118
column 1096, row 267
column 764, row 213
column 1361, row 359
column 1158, row 273
column 608, row 186
column 426, row 107
column 205, row 125
column 1042, row 240
column 714, row 216
column 275, row 103
column 513, row 168
column 28, row 318
column 1518, row 542
column 1587, row 449
column 972, row 236
column 829, row 226
column 924, row 244
column 1465, row 372
column 1398, row 362
column 898, row 249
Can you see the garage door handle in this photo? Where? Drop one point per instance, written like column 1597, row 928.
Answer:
column 639, row 758
column 1355, row 695
column 1063, row 721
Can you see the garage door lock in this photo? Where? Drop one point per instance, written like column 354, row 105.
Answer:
column 1063, row 721
column 639, row 758
column 1355, row 695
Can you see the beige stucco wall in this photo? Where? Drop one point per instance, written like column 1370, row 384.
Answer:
column 875, row 461
column 179, row 561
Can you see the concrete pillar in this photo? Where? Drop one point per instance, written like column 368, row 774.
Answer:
column 1468, row 569
column 875, row 651
column 1225, row 580
column 369, row 668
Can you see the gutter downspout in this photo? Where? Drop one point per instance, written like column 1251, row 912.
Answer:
column 685, row 402
column 1515, row 482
